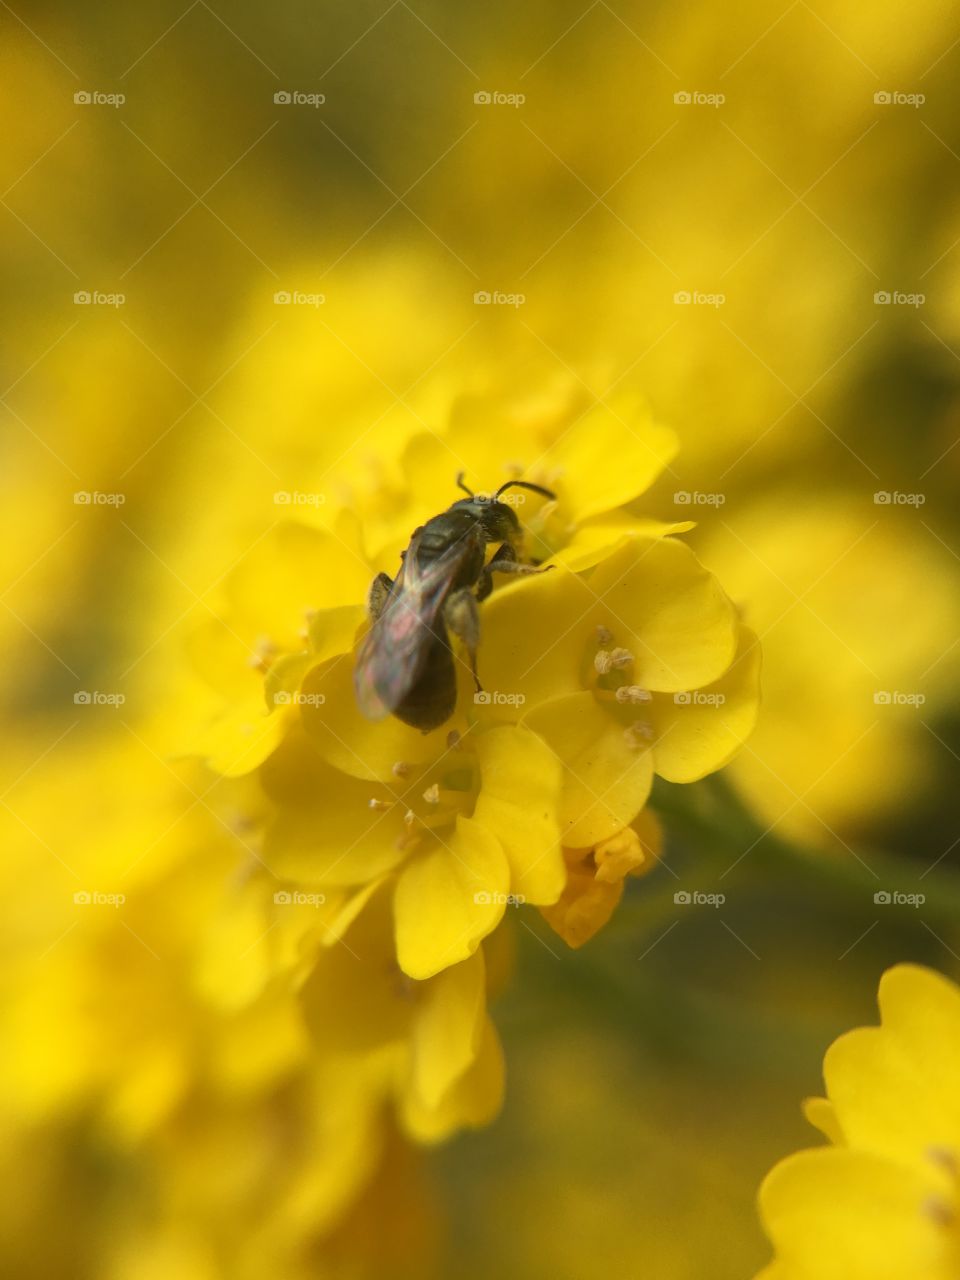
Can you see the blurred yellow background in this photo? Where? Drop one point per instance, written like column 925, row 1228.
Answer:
column 253, row 251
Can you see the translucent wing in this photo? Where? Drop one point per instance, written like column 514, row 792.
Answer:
column 396, row 648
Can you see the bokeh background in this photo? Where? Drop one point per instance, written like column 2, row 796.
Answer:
column 751, row 214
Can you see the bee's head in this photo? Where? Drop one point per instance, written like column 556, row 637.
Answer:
column 499, row 520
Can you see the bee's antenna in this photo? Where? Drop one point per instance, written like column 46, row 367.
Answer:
column 525, row 484
column 461, row 485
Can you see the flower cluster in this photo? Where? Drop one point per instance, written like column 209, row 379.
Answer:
column 882, row 1199
column 388, row 856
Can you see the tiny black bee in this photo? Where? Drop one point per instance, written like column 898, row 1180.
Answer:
column 405, row 665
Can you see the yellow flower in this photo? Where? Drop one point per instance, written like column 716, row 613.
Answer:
column 883, row 1202
column 639, row 667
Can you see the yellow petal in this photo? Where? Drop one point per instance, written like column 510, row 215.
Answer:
column 609, row 456
column 448, row 1028
column 534, row 635
column 661, row 604
column 606, row 780
column 449, row 898
column 473, row 1101
column 347, row 740
column 585, row 906
column 820, row 1113
column 594, row 540
column 894, row 1087
column 698, row 731
column 521, row 780
column 837, row 1214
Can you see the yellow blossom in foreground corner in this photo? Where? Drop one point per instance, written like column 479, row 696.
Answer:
column 883, row 1201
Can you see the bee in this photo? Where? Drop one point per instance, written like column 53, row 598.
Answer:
column 406, row 665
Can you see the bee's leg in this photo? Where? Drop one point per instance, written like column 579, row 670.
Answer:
column 380, row 589
column 505, row 561
column 461, row 615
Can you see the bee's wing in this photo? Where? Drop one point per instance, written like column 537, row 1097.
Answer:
column 395, row 649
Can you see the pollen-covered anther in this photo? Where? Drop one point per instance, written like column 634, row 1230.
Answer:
column 400, row 769
column 410, row 818
column 604, row 637
column 432, row 794
column 633, row 694
column 264, row 652
column 621, row 658
column 379, row 806
column 603, row 661
column 638, row 735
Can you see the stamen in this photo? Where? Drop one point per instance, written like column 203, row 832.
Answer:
column 638, row 736
column 379, row 806
column 632, row 693
column 453, row 737
column 603, row 661
column 604, row 637
column 621, row 658
column 400, row 769
column 432, row 794
column 410, row 818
